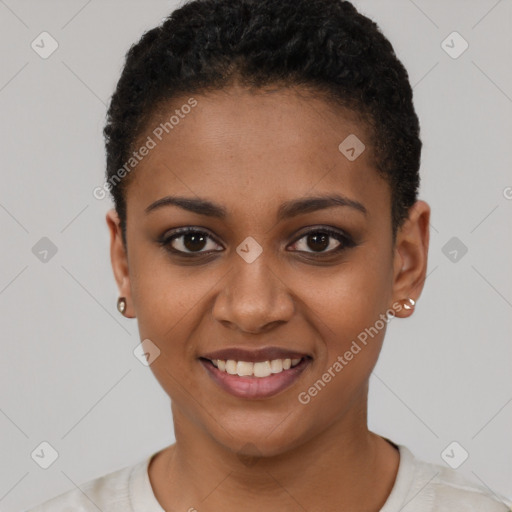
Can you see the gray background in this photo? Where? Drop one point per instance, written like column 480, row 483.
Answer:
column 67, row 373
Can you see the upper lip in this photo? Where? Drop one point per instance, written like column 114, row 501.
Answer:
column 254, row 355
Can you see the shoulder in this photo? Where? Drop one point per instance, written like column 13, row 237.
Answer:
column 436, row 488
column 109, row 492
column 453, row 489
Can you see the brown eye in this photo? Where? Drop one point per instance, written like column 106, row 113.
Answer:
column 189, row 241
column 323, row 241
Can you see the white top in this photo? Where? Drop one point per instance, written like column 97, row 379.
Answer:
column 419, row 487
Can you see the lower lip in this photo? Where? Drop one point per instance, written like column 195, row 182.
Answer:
column 256, row 387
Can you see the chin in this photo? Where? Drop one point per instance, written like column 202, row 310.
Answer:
column 261, row 440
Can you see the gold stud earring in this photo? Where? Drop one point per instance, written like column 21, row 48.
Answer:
column 121, row 305
column 410, row 304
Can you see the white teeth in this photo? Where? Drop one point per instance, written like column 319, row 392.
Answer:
column 244, row 368
column 262, row 369
column 258, row 369
column 230, row 366
column 276, row 365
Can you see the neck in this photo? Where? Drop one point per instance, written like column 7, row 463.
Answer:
column 332, row 470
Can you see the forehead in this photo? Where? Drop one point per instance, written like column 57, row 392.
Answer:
column 237, row 145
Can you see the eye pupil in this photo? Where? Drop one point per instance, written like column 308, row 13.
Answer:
column 319, row 242
column 194, row 241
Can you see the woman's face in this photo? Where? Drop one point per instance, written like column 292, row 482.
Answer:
column 265, row 274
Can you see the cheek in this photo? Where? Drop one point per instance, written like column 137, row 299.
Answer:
column 350, row 298
column 346, row 309
column 169, row 312
column 167, row 307
column 351, row 332
column 167, row 300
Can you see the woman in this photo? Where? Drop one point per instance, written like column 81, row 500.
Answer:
column 263, row 157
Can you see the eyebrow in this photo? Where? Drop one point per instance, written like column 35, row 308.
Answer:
column 286, row 210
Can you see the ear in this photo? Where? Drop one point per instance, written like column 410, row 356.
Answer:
column 411, row 258
column 119, row 260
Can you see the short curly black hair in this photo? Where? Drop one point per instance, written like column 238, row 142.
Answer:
column 325, row 46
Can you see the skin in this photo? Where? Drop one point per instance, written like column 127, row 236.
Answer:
column 250, row 152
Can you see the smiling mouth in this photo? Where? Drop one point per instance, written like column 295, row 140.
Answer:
column 258, row 369
column 256, row 379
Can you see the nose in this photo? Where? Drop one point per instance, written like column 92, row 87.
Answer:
column 255, row 298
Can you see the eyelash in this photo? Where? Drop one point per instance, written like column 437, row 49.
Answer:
column 345, row 241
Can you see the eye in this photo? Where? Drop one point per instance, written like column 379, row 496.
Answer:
column 320, row 240
column 188, row 241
